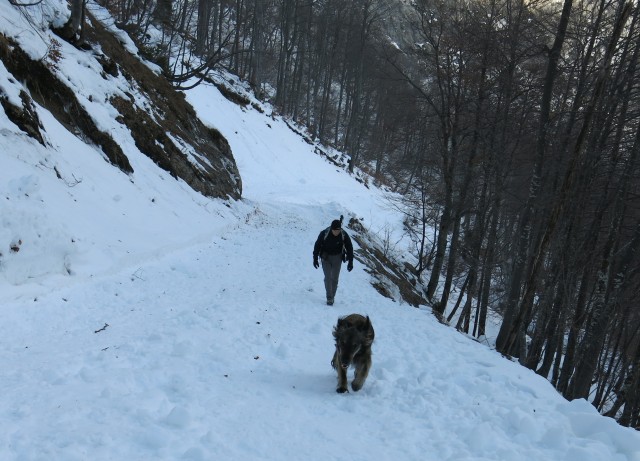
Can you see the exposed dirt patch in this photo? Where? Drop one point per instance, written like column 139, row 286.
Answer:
column 162, row 124
column 232, row 95
column 25, row 116
column 169, row 131
column 48, row 91
column 388, row 275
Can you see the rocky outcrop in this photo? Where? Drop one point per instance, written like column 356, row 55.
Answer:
column 391, row 278
column 164, row 126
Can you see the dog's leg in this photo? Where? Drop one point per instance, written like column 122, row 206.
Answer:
column 362, row 371
column 342, row 374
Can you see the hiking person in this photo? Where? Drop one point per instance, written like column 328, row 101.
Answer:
column 334, row 247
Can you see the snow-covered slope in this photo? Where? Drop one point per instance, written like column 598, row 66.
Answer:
column 142, row 321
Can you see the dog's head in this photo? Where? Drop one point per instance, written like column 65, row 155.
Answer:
column 353, row 334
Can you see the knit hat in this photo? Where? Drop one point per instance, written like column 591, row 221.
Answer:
column 335, row 224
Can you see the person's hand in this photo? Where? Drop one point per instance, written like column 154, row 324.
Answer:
column 315, row 263
column 350, row 266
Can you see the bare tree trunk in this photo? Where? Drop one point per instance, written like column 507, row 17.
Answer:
column 72, row 30
column 441, row 245
column 579, row 317
column 554, row 340
column 594, row 335
column 629, row 395
column 202, row 27
column 463, row 290
column 512, row 326
column 517, row 328
column 487, row 270
column 162, row 13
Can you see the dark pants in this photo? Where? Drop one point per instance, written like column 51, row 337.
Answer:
column 331, row 266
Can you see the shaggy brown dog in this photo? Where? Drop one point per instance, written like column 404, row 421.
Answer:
column 354, row 335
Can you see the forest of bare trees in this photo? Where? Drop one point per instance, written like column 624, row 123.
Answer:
column 510, row 127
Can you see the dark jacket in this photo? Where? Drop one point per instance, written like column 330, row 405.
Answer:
column 329, row 244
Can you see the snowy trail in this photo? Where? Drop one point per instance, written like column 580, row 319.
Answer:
column 222, row 351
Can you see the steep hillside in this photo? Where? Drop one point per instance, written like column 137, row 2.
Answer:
column 99, row 158
column 106, row 79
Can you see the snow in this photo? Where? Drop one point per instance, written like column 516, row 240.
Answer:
column 142, row 321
